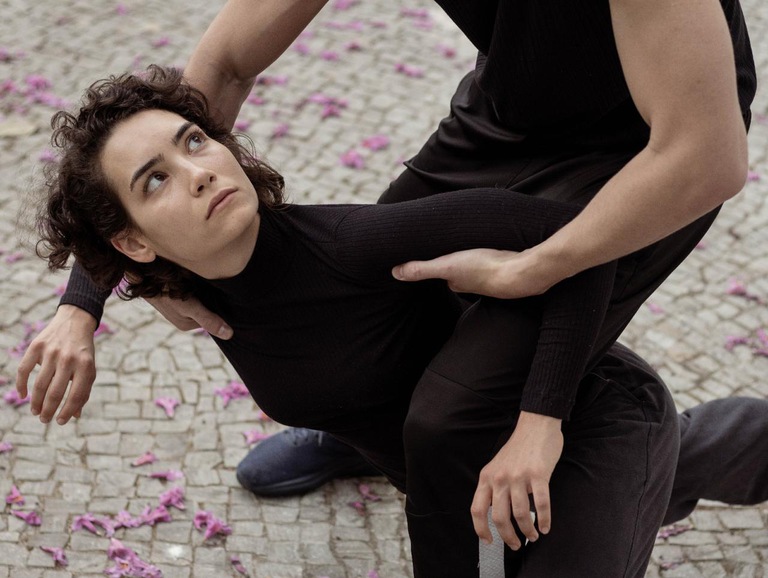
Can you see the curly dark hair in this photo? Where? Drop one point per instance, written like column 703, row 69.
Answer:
column 82, row 212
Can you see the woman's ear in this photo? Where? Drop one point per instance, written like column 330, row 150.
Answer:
column 134, row 247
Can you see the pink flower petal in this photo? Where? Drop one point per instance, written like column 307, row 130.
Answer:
column 329, row 111
column 238, row 565
column 60, row 290
column 85, row 522
column 446, row 51
column 169, row 404
column 168, row 476
column 12, row 398
column 673, row 530
column 255, row 100
column 344, row 4
column 160, row 42
column 414, row 12
column 266, row 80
column 37, row 82
column 301, row 48
column 737, row 287
column 146, row 458
column 128, row 563
column 233, row 390
column 733, row 340
column 48, row 156
column 173, row 497
column 59, row 557
column 14, row 257
column 107, row 524
column 368, row 494
column 359, row 506
column 5, row 447
column 280, row 131
column 353, row 46
column 15, row 497
column 121, row 9
column 352, row 159
column 125, row 520
column 408, row 70
column 151, row 516
column 373, row 574
column 329, row 55
column 103, row 329
column 253, row 436
column 752, row 177
column 376, row 142
column 30, row 518
column 242, row 125
column 213, row 525
column 671, row 565
column 655, row 308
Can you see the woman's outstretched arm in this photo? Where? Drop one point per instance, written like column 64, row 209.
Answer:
column 244, row 39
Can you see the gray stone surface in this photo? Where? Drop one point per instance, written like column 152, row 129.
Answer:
column 85, row 466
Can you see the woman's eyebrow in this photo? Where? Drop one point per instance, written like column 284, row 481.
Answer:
column 156, row 159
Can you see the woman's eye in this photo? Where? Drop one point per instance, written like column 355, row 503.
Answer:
column 153, row 182
column 195, row 141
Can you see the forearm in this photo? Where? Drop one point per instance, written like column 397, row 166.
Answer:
column 572, row 318
column 82, row 292
column 243, row 40
column 654, row 195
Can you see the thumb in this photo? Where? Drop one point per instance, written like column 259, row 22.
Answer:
column 420, row 270
column 212, row 323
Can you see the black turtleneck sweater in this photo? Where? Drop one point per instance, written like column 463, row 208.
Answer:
column 325, row 337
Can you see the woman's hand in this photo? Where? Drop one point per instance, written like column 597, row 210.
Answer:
column 522, row 467
column 65, row 353
column 501, row 274
column 190, row 314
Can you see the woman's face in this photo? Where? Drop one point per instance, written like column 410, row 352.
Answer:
column 189, row 198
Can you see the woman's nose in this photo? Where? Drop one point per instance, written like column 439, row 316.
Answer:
column 202, row 178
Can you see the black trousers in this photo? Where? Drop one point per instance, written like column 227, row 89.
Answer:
column 611, row 489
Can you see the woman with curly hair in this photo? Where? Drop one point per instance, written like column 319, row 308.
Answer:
column 150, row 191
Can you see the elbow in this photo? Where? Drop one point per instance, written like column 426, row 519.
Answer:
column 730, row 178
column 723, row 170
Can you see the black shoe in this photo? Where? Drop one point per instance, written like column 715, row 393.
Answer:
column 298, row 460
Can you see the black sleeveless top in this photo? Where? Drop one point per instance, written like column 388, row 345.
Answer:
column 549, row 66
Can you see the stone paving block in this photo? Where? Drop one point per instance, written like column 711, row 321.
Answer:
column 96, row 463
column 14, row 555
column 171, row 554
column 737, row 519
column 24, row 470
column 273, row 570
column 317, row 553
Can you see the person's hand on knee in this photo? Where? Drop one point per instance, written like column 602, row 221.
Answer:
column 521, row 468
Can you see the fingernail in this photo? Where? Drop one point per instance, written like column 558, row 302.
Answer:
column 35, row 412
column 225, row 332
column 61, row 421
column 486, row 541
column 397, row 273
column 44, row 419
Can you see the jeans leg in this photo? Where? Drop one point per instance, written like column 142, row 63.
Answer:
column 723, row 455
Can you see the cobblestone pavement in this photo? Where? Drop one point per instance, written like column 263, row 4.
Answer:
column 378, row 69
